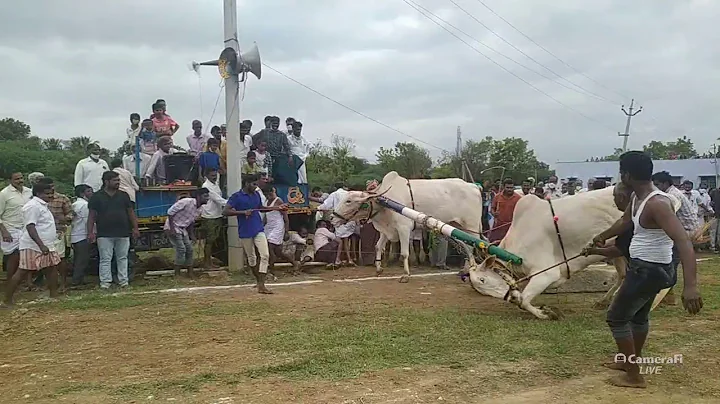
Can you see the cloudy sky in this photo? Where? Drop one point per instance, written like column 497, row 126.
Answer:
column 80, row 67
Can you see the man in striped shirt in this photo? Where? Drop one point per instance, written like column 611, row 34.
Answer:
column 686, row 214
column 179, row 227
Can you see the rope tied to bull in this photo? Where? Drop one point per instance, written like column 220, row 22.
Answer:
column 560, row 240
column 412, row 202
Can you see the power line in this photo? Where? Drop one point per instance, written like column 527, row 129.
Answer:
column 511, row 59
column 351, row 109
column 528, row 56
column 409, row 3
column 550, row 53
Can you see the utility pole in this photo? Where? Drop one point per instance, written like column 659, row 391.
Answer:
column 629, row 114
column 232, row 120
column 715, row 162
column 231, row 65
column 458, row 153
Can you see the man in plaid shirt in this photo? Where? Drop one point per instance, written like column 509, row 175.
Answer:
column 179, row 227
column 687, row 216
column 61, row 209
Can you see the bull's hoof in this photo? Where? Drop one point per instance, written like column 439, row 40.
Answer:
column 404, row 279
column 551, row 312
column 378, row 271
column 600, row 305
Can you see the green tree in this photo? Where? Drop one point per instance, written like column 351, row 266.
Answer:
column 682, row 148
column 52, row 144
column 613, row 157
column 516, row 158
column 79, row 144
column 408, row 159
column 12, row 129
column 489, row 159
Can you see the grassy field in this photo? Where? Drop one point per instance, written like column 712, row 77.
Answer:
column 431, row 340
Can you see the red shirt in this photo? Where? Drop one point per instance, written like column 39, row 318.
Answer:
column 163, row 125
column 503, row 206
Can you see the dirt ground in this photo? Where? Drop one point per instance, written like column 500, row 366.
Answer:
column 304, row 344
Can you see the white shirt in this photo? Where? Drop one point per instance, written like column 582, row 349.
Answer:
column 246, row 145
column 322, row 237
column 333, row 200
column 263, row 199
column 155, row 164
column 11, row 203
column 213, row 209
column 78, row 232
column 127, row 182
column 705, row 204
column 193, row 140
column 36, row 212
column 89, row 172
column 299, row 146
column 553, row 193
column 297, row 239
column 260, row 161
column 694, row 197
column 129, row 164
column 132, row 134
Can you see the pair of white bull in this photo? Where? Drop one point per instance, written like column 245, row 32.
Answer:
column 531, row 236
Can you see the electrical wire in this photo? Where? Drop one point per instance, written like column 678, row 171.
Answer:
column 217, row 100
column 624, row 96
column 411, row 4
column 585, row 93
column 352, row 109
column 550, row 53
column 584, row 90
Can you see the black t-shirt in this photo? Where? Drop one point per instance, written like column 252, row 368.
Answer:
column 622, row 242
column 715, row 198
column 111, row 213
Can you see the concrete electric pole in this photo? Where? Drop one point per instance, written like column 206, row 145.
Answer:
column 458, row 153
column 233, row 67
column 629, row 114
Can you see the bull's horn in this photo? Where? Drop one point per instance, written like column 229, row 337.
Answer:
column 375, row 194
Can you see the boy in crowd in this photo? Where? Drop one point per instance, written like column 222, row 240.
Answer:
column 210, row 159
column 250, row 166
column 148, row 138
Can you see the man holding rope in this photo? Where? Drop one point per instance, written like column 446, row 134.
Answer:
column 655, row 229
column 246, row 204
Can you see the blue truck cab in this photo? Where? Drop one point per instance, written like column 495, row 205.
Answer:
column 152, row 204
column 154, row 200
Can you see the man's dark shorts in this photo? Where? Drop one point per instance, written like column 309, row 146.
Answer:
column 634, row 299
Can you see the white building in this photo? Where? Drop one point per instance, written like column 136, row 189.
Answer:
column 696, row 170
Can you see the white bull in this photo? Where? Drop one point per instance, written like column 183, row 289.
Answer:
column 532, row 236
column 452, row 201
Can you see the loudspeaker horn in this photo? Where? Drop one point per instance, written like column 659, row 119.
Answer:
column 250, row 62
